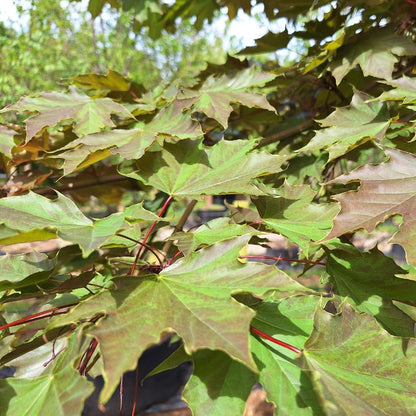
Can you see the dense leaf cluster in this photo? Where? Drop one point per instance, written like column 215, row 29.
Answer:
column 110, row 172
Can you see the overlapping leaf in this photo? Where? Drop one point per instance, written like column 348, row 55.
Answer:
column 62, row 391
column 170, row 123
column 289, row 320
column 374, row 289
column 210, row 233
column 386, row 190
column 295, row 216
column 17, row 267
column 25, row 213
column 219, row 385
column 270, row 42
column 192, row 297
column 358, row 368
column 191, row 169
column 404, row 88
column 6, row 141
column 112, row 81
column 375, row 51
column 88, row 115
column 215, row 96
column 348, row 127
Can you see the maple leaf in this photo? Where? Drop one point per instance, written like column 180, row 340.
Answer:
column 15, row 268
column 289, row 320
column 373, row 291
column 210, row 233
column 349, row 127
column 376, row 52
column 270, row 42
column 171, row 123
column 112, row 81
column 215, row 96
column 404, row 89
column 60, row 391
column 29, row 212
column 387, row 189
column 294, row 215
column 88, row 115
column 193, row 297
column 351, row 375
column 190, row 169
column 219, row 385
column 6, row 141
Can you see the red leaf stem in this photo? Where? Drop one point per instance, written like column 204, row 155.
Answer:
column 170, row 261
column 36, row 316
column 276, row 341
column 82, row 366
column 139, row 252
column 136, row 391
column 256, row 223
column 149, row 247
column 283, row 259
column 134, row 95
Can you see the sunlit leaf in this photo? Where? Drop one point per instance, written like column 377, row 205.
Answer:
column 358, row 367
column 294, row 215
column 88, row 115
column 32, row 211
column 191, row 169
column 17, row 267
column 171, row 123
column 215, row 96
column 348, row 127
column 404, row 88
column 192, row 297
column 60, row 392
column 376, row 52
column 6, row 141
column 386, row 190
column 288, row 320
column 372, row 290
column 212, row 232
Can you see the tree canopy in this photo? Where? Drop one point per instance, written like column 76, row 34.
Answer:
column 312, row 128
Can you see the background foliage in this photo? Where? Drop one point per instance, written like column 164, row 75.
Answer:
column 318, row 145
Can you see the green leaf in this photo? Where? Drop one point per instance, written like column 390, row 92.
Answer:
column 270, row 42
column 288, row 320
column 17, row 267
column 219, row 385
column 88, row 115
column 112, row 81
column 358, row 368
column 210, row 233
column 215, row 96
column 62, row 392
column 10, row 236
column 32, row 211
column 171, row 123
column 294, row 215
column 386, row 190
column 189, row 169
column 95, row 7
column 192, row 297
column 349, row 127
column 6, row 141
column 376, row 52
column 404, row 89
column 373, row 292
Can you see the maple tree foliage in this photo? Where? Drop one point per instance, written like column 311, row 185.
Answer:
column 320, row 150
